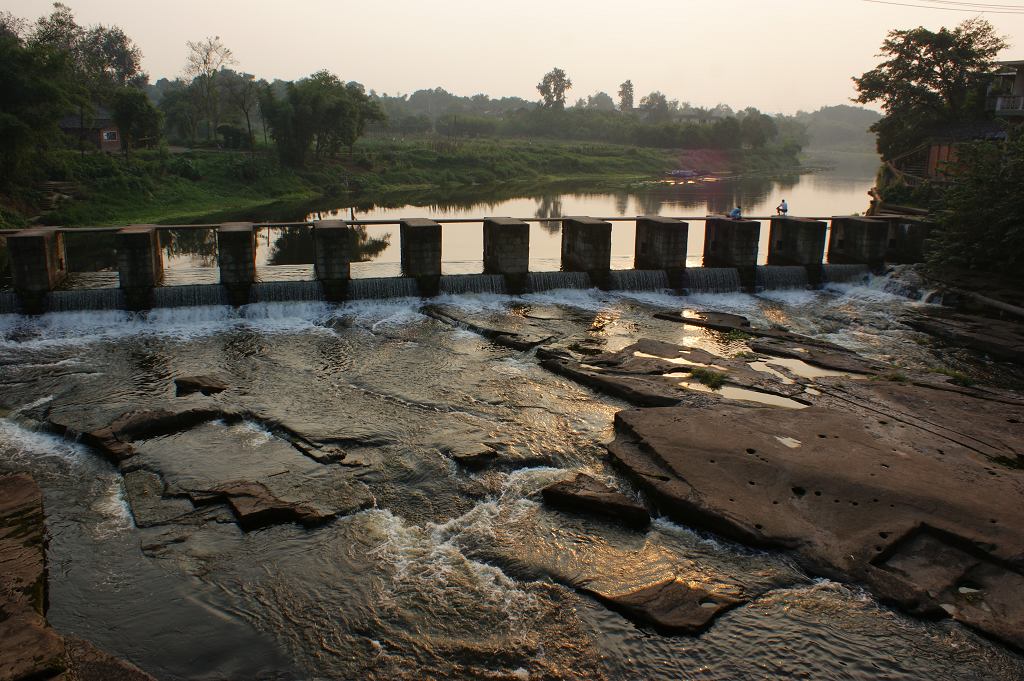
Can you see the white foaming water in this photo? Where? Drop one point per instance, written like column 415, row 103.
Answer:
column 25, row 447
column 48, row 457
column 113, row 508
column 792, row 297
column 82, row 328
column 428, row 564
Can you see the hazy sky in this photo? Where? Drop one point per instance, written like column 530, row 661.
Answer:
column 777, row 55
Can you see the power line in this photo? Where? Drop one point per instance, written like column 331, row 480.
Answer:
column 973, row 4
column 947, row 9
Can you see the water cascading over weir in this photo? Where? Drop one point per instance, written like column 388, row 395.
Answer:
column 856, row 246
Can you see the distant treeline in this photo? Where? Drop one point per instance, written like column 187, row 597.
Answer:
column 57, row 71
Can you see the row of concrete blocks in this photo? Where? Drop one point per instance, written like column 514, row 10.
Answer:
column 38, row 261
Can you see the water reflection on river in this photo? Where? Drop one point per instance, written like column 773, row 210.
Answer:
column 190, row 254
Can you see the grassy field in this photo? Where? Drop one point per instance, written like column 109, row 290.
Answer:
column 169, row 188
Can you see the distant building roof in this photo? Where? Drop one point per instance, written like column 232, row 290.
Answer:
column 966, row 132
column 99, row 117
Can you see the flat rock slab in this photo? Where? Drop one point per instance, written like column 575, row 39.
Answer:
column 255, row 505
column 999, row 339
column 920, row 517
column 725, row 322
column 88, row 663
column 651, row 373
column 671, row 606
column 207, row 385
column 525, row 337
column 584, row 494
column 28, row 647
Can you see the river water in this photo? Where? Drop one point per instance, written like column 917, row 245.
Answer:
column 449, row 573
column 287, row 253
column 446, row 572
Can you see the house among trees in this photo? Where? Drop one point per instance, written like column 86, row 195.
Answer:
column 95, row 128
column 1006, row 93
column 935, row 158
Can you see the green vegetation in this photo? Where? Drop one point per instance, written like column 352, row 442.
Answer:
column 156, row 186
column 712, row 379
column 930, row 78
column 956, row 377
column 736, row 336
column 981, row 214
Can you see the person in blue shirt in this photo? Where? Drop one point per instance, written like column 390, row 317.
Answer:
column 736, row 213
column 782, row 208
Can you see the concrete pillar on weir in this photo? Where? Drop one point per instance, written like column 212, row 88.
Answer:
column 798, row 242
column 236, row 256
column 140, row 264
column 587, row 247
column 733, row 243
column 38, row 265
column 334, row 244
column 907, row 240
column 661, row 245
column 507, row 251
column 421, row 253
column 855, row 240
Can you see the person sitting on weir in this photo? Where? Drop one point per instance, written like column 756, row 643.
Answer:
column 782, row 208
column 736, row 213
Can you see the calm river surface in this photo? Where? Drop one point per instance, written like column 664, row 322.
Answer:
column 190, row 255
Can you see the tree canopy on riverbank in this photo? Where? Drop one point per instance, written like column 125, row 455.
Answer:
column 929, row 78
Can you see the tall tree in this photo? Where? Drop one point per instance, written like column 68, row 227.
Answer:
column 34, row 82
column 928, row 77
column 626, row 96
column 655, row 108
column 319, row 113
column 601, row 101
column 136, row 118
column 205, row 60
column 553, row 87
column 242, row 92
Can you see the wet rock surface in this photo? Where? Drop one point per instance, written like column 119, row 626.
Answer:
column 29, row 647
column 670, row 607
column 585, row 494
column 524, row 337
column 1000, row 339
column 872, row 498
column 654, row 373
column 207, row 385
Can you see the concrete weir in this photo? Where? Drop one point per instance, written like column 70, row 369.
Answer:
column 855, row 240
column 507, row 251
column 140, row 264
column 236, row 257
column 39, row 266
column 587, row 247
column 661, row 245
column 798, row 242
column 421, row 253
column 333, row 244
column 733, row 243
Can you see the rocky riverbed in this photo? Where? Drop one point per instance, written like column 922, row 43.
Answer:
column 562, row 486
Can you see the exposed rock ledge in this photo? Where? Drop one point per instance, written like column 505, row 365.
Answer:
column 29, row 648
column 924, row 522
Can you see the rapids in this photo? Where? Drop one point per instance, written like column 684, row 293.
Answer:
column 449, row 572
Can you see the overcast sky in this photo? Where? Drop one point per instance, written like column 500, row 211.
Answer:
column 777, row 55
